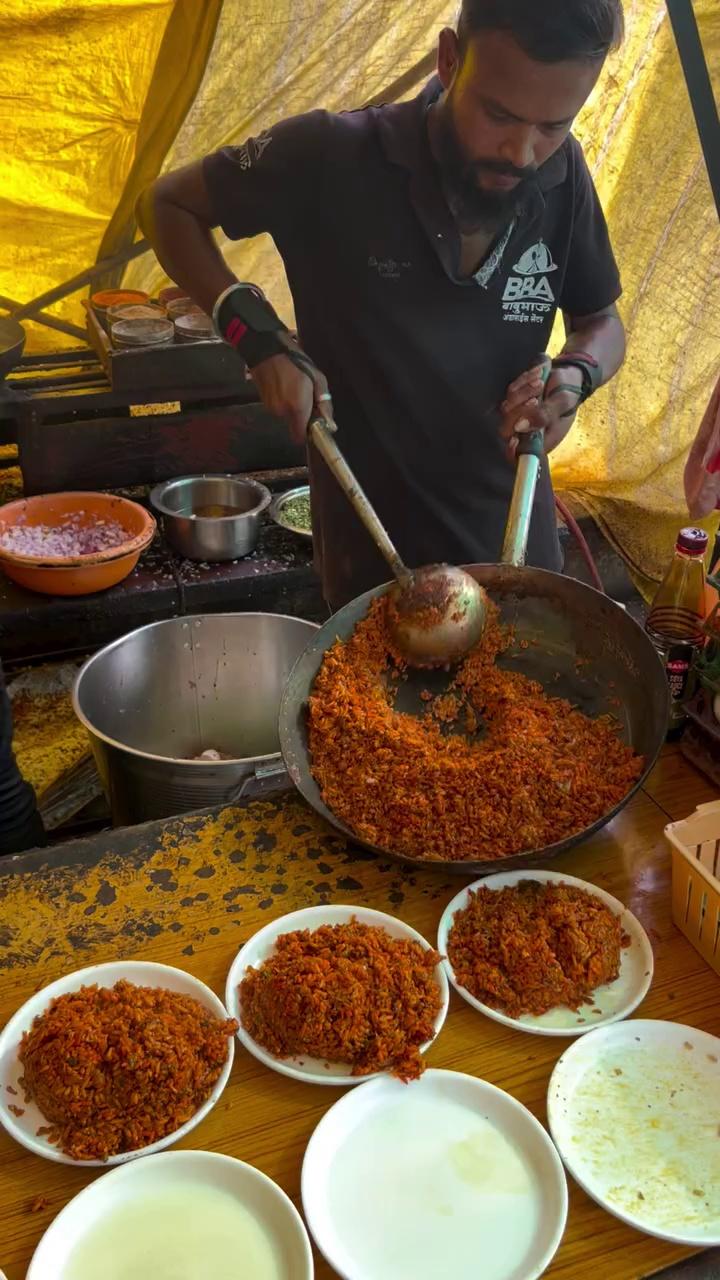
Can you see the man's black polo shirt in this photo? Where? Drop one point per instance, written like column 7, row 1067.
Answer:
column 417, row 359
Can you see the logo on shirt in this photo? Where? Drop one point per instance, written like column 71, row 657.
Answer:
column 388, row 268
column 253, row 150
column 537, row 261
column 528, row 296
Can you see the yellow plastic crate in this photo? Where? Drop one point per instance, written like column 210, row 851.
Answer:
column 695, row 844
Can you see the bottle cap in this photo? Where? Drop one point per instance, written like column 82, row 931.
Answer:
column 692, row 541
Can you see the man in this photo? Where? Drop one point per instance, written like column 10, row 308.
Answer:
column 20, row 823
column 428, row 245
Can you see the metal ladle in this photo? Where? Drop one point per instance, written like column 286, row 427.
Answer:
column 438, row 611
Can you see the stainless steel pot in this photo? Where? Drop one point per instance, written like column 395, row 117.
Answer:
column 211, row 537
column 163, row 694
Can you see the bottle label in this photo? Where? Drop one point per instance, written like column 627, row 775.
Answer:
column 678, row 664
column 678, row 671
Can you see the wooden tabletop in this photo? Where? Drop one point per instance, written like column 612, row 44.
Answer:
column 190, row 892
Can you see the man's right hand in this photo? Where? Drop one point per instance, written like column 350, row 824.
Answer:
column 291, row 393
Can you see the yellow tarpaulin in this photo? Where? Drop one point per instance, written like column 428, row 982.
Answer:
column 626, row 457
column 74, row 80
column 82, row 119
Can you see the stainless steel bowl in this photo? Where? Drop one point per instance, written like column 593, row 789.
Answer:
column 158, row 697
column 278, row 510
column 211, row 537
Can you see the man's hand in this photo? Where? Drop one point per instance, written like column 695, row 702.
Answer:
column 526, row 409
column 292, row 393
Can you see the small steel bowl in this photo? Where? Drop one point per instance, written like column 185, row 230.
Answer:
column 211, row 538
column 277, row 510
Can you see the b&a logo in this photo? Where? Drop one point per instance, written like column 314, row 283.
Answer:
column 528, row 296
column 537, row 261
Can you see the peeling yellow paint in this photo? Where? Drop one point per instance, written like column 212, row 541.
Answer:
column 48, row 738
column 200, row 878
column 11, row 483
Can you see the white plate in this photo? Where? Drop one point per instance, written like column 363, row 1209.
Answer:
column 192, row 1187
column 262, row 945
column 143, row 974
column 444, row 1177
column 634, row 1110
column 610, row 1003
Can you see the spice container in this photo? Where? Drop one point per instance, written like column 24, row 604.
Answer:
column 101, row 302
column 173, row 293
column 134, row 311
column 195, row 326
column 183, row 307
column 142, row 333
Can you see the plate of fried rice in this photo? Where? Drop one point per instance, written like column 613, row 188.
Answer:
column 546, row 953
column 334, row 995
column 113, row 1062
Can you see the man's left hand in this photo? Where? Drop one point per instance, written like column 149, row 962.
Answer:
column 526, row 409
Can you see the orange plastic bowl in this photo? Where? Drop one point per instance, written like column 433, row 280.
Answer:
column 76, row 575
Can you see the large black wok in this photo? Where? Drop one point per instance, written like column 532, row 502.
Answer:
column 567, row 621
column 583, row 647
column 12, row 342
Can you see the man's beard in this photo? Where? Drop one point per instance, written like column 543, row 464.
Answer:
column 474, row 206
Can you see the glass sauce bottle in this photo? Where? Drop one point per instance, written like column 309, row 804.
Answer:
column 676, row 617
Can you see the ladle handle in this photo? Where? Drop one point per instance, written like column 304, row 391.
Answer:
column 517, row 529
column 322, row 437
column 529, row 456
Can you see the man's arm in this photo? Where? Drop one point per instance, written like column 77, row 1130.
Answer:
column 600, row 336
column 176, row 215
column 593, row 326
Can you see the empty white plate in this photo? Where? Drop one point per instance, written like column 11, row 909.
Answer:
column 182, row 1215
column 609, row 1004
column 143, row 974
column 635, row 1113
column 262, row 945
column 444, row 1177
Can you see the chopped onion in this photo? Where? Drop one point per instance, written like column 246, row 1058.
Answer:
column 72, row 538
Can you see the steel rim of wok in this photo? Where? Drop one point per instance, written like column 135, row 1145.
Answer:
column 565, row 621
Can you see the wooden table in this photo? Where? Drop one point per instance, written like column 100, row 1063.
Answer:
column 189, row 892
